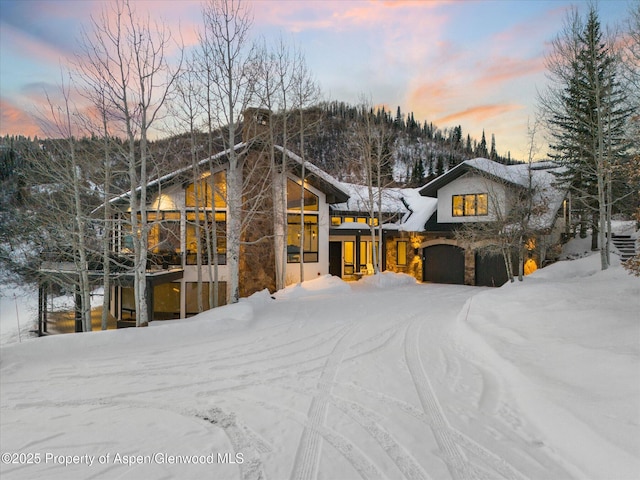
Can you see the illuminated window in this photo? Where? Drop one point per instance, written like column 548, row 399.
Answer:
column 373, row 221
column 164, row 234
column 349, row 256
column 310, row 248
column 366, row 253
column 362, row 220
column 204, row 190
column 470, row 205
column 166, row 301
column 458, row 206
column 294, row 191
column 336, row 221
column 205, row 224
column 348, row 219
column 128, row 304
column 401, row 248
column 482, row 204
column 191, row 296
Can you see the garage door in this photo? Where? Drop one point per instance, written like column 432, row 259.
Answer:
column 491, row 270
column 443, row 264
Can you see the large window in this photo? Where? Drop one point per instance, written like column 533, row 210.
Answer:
column 201, row 198
column 205, row 192
column 205, row 224
column 164, row 238
column 470, row 205
column 366, row 254
column 309, row 250
column 166, row 301
column 310, row 247
column 191, row 290
column 294, row 191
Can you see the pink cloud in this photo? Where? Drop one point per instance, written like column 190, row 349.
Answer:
column 299, row 16
column 16, row 121
column 480, row 113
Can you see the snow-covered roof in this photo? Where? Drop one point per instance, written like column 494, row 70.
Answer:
column 548, row 195
column 359, row 200
column 325, row 181
column 420, row 210
column 414, row 208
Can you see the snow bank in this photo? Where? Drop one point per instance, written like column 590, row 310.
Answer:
column 324, row 285
column 387, row 280
column 566, row 340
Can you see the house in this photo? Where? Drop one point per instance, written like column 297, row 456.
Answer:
column 183, row 210
column 180, row 218
column 480, row 192
column 421, row 230
column 325, row 223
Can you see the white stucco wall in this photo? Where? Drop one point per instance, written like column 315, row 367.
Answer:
column 468, row 184
column 314, row 270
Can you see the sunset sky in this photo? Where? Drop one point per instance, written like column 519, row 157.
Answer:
column 476, row 64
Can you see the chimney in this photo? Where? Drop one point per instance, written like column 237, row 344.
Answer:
column 255, row 124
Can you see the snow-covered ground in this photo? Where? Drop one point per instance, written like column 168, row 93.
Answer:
column 381, row 379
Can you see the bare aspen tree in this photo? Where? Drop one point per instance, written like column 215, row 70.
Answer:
column 275, row 91
column 229, row 56
column 126, row 56
column 372, row 139
column 187, row 110
column 305, row 94
column 209, row 104
column 99, row 126
column 67, row 210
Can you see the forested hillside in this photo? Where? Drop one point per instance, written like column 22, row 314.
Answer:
column 420, row 151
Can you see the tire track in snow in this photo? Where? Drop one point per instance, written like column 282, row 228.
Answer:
column 243, row 441
column 368, row 419
column 405, row 462
column 358, row 459
column 497, row 463
column 456, row 461
column 307, row 458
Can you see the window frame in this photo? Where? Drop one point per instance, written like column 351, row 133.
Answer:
column 402, row 260
column 311, row 255
column 470, row 205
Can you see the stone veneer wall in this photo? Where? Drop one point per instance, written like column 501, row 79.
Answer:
column 414, row 261
column 257, row 256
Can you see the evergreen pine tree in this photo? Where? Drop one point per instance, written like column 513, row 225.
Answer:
column 493, row 155
column 587, row 117
column 481, row 149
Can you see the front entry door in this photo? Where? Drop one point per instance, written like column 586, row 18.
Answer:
column 335, row 258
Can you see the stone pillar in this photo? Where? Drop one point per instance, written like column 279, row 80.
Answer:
column 469, row 266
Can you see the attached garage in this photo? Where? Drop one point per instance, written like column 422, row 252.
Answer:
column 491, row 270
column 443, row 264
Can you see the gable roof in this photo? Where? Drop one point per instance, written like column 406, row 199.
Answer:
column 548, row 195
column 414, row 209
column 481, row 166
column 332, row 187
column 314, row 175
